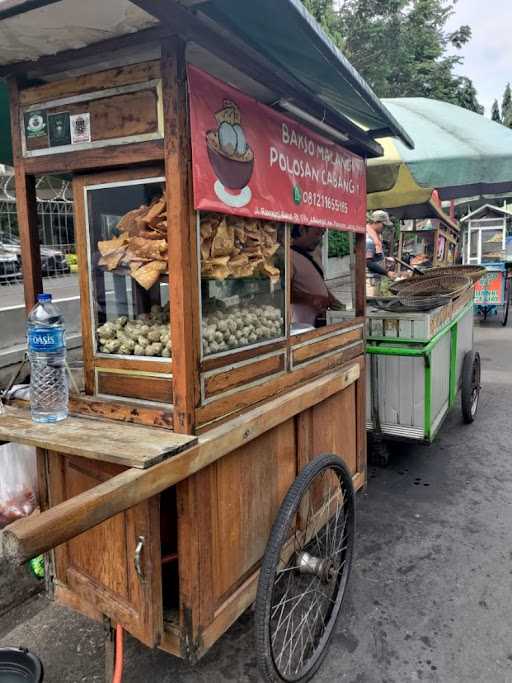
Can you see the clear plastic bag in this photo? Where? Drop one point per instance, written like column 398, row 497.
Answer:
column 18, row 482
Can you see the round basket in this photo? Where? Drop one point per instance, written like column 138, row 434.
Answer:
column 429, row 293
column 474, row 273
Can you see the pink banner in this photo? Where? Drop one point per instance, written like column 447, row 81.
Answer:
column 250, row 160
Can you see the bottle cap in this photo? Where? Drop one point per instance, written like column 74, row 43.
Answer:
column 44, row 297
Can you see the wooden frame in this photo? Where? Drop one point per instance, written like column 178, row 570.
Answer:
column 261, row 413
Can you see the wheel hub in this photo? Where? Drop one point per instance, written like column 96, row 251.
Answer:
column 316, row 566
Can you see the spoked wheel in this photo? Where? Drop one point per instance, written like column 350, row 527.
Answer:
column 506, row 303
column 305, row 571
column 471, row 373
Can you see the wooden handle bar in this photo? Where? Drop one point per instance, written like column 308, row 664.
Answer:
column 31, row 536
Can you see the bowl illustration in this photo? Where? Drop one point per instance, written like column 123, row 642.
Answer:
column 235, row 171
column 228, row 150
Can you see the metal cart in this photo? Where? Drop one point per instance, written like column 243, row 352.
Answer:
column 418, row 363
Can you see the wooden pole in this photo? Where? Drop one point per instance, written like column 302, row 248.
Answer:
column 31, row 536
column 183, row 276
column 26, row 208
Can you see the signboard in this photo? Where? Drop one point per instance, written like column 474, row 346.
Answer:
column 250, row 160
column 489, row 289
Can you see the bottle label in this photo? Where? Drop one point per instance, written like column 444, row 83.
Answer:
column 46, row 339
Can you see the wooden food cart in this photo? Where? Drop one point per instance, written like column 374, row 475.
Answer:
column 429, row 243
column 200, row 411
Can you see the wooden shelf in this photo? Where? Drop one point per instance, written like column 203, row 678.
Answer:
column 121, row 444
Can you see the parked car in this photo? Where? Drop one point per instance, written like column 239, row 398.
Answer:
column 53, row 261
column 10, row 267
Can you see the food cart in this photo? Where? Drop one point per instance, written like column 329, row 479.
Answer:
column 212, row 454
column 418, row 363
column 487, row 235
column 428, row 243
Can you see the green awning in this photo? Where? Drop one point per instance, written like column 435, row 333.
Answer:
column 5, row 127
column 289, row 37
column 458, row 153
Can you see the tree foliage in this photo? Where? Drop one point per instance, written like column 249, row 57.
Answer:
column 506, row 107
column 495, row 112
column 401, row 47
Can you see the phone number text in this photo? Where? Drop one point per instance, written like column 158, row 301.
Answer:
column 324, row 202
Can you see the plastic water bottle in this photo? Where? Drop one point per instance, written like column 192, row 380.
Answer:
column 47, row 353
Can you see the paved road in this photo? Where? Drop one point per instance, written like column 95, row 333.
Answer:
column 429, row 597
column 61, row 288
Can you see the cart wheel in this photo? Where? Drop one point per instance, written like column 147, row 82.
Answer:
column 470, row 386
column 305, row 571
column 506, row 304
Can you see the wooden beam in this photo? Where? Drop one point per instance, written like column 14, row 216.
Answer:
column 31, row 536
column 191, row 26
column 73, row 59
column 183, row 276
column 26, row 208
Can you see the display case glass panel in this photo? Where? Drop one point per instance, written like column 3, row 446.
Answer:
column 492, row 248
column 128, row 267
column 322, row 291
column 243, row 282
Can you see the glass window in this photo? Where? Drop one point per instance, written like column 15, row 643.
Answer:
column 127, row 232
column 492, row 245
column 321, row 279
column 243, row 282
column 473, row 243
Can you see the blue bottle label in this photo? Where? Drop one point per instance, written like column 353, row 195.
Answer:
column 46, row 339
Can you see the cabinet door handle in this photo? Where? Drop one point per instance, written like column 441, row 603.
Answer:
column 138, row 557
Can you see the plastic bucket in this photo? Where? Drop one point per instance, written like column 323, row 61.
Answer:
column 18, row 665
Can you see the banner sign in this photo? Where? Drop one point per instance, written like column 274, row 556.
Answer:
column 489, row 289
column 250, row 160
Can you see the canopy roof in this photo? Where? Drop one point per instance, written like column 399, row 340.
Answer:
column 457, row 152
column 286, row 51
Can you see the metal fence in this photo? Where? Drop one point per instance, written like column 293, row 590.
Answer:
column 56, row 227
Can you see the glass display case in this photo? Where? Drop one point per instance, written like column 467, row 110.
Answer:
column 128, row 268
column 485, row 241
column 243, row 282
column 418, row 247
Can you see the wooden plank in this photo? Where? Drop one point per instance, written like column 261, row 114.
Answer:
column 183, row 275
column 99, row 564
column 33, row 535
column 241, row 355
column 362, row 460
column 232, row 377
column 135, row 364
column 243, row 399
column 100, row 80
column 243, row 522
column 121, row 411
column 321, row 331
column 100, row 157
column 119, row 116
column 319, row 348
column 84, row 56
column 80, row 224
column 132, row 386
column 128, row 445
column 26, row 208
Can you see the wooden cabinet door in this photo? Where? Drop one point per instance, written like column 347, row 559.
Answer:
column 100, row 565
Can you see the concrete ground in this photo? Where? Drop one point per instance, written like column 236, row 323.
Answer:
column 430, row 594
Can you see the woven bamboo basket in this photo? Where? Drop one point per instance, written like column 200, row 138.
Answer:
column 474, row 273
column 427, row 293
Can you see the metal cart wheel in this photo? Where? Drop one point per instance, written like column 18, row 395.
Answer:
column 305, row 571
column 470, row 394
column 506, row 304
